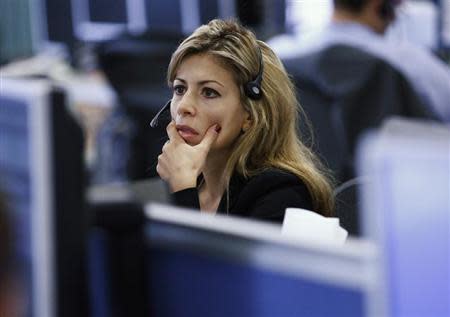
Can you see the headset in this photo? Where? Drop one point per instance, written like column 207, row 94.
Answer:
column 252, row 90
column 154, row 122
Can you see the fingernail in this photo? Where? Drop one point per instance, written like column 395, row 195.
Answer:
column 218, row 128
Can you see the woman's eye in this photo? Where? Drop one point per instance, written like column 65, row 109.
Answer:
column 179, row 90
column 210, row 93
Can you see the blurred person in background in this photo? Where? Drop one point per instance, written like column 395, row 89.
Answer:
column 362, row 24
column 350, row 77
column 233, row 147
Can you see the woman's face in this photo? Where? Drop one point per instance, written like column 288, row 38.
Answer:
column 204, row 94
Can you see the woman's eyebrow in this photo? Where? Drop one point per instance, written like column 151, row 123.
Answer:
column 210, row 81
column 179, row 79
column 202, row 82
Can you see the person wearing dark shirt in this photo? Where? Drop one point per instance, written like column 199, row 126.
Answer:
column 233, row 146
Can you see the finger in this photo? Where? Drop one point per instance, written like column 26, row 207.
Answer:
column 210, row 136
column 172, row 132
column 166, row 144
column 162, row 174
column 159, row 169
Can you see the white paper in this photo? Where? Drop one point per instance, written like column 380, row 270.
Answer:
column 306, row 224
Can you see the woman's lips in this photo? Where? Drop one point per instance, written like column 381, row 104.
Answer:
column 186, row 132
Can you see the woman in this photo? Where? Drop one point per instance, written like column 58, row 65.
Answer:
column 233, row 146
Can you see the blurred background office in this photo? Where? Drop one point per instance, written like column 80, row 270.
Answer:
column 80, row 81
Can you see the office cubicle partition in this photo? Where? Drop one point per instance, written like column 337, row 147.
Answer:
column 116, row 245
column 41, row 173
column 406, row 211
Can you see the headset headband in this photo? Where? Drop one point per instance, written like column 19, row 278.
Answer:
column 252, row 89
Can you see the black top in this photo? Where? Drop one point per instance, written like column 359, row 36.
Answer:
column 264, row 196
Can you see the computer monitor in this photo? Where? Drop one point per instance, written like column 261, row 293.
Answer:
column 203, row 265
column 97, row 20
column 444, row 24
column 165, row 261
column 41, row 174
column 40, row 26
column 56, row 25
column 19, row 30
column 406, row 211
column 265, row 17
column 308, row 16
column 184, row 16
column 100, row 20
column 222, row 9
column 175, row 16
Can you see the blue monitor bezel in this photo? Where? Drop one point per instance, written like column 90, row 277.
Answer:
column 89, row 31
column 261, row 246
column 34, row 95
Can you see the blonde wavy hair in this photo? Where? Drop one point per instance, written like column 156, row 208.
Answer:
column 272, row 140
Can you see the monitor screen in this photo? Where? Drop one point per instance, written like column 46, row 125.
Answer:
column 184, row 16
column 406, row 210
column 100, row 20
column 41, row 180
column 265, row 18
column 168, row 15
column 116, row 13
column 57, row 24
column 40, row 26
column 212, row 9
column 18, row 32
column 200, row 265
column 97, row 20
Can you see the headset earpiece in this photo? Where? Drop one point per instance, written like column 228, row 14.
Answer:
column 252, row 89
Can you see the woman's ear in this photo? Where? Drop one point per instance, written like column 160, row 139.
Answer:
column 247, row 123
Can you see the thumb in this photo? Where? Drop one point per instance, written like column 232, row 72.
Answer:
column 210, row 136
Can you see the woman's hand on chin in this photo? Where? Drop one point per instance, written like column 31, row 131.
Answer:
column 180, row 164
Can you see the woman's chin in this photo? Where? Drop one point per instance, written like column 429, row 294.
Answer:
column 191, row 141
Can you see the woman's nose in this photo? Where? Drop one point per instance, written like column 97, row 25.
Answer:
column 186, row 105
